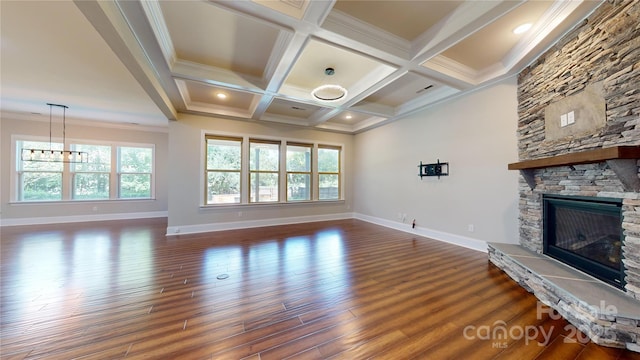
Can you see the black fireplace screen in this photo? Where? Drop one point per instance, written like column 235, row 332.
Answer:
column 586, row 233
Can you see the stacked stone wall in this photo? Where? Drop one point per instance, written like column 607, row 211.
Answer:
column 604, row 48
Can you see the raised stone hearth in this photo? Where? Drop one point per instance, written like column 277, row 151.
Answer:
column 593, row 74
column 603, row 313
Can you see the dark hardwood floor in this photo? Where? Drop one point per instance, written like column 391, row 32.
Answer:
column 341, row 289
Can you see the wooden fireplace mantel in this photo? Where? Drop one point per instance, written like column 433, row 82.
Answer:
column 621, row 159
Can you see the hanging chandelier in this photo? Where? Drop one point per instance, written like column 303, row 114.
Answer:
column 329, row 92
column 51, row 155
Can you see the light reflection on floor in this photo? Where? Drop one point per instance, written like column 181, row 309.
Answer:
column 68, row 271
column 309, row 263
column 59, row 271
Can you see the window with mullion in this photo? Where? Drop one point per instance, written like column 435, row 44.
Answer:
column 299, row 171
column 223, row 167
column 135, row 170
column 264, row 170
column 329, row 172
column 90, row 181
column 39, row 181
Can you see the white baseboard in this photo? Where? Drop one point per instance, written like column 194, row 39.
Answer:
column 81, row 218
column 463, row 241
column 202, row 228
column 467, row 242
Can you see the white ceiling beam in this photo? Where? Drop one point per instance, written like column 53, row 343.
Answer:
column 464, row 21
column 108, row 19
column 216, row 76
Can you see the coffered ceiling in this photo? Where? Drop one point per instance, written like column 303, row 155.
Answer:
column 146, row 62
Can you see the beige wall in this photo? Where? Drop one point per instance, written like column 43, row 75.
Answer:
column 29, row 213
column 476, row 134
column 186, row 187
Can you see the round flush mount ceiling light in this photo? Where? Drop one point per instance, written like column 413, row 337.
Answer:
column 329, row 92
column 522, row 29
column 221, row 95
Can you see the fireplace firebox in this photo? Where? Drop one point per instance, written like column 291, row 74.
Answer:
column 585, row 233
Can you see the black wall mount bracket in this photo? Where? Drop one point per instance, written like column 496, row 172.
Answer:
column 436, row 169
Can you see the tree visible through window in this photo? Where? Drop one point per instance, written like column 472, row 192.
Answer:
column 39, row 181
column 135, row 169
column 264, row 168
column 94, row 180
column 328, row 173
column 246, row 170
column 91, row 179
column 298, row 172
column 224, row 156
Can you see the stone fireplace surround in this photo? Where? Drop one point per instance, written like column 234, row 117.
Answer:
column 605, row 314
column 605, row 51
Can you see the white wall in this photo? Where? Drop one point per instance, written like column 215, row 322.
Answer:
column 13, row 213
column 186, row 187
column 476, row 134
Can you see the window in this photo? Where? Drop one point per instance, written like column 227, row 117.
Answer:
column 135, row 170
column 224, row 156
column 249, row 170
column 38, row 181
column 298, row 172
column 264, row 169
column 91, row 180
column 328, row 172
column 132, row 178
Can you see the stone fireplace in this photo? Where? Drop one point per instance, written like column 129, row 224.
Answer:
column 605, row 175
column 591, row 76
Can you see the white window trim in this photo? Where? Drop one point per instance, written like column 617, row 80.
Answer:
column 66, row 182
column 244, row 170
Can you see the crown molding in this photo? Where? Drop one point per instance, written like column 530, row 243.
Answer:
column 83, row 122
column 358, row 31
column 555, row 15
column 447, row 66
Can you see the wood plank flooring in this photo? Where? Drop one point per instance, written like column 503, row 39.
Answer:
column 328, row 290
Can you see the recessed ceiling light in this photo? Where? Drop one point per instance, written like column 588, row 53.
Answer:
column 348, row 117
column 221, row 96
column 522, row 28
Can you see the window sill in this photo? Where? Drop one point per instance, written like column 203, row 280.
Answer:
column 65, row 202
column 269, row 204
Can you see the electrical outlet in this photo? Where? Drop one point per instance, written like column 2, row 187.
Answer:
column 571, row 118
column 471, row 228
